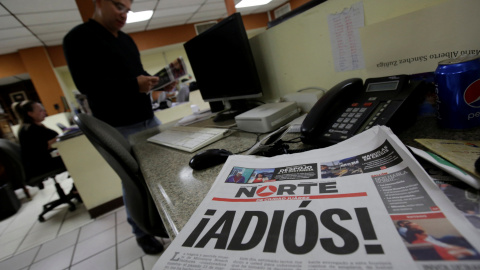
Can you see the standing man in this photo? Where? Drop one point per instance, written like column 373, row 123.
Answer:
column 105, row 66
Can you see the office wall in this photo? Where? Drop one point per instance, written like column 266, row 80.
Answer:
column 297, row 53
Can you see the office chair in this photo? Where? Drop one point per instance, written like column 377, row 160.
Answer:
column 10, row 155
column 117, row 151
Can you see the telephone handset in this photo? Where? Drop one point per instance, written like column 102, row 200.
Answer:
column 351, row 107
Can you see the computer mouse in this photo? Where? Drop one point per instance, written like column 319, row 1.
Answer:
column 209, row 158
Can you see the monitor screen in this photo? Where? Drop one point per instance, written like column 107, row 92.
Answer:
column 222, row 62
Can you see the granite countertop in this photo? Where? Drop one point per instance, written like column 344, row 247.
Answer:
column 178, row 190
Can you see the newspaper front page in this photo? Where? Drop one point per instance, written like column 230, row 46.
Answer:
column 364, row 203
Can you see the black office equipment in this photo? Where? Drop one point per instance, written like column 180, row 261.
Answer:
column 209, row 158
column 223, row 65
column 351, row 107
column 117, row 151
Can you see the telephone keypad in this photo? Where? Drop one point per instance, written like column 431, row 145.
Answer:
column 342, row 127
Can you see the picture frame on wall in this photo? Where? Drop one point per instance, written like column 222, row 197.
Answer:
column 18, row 96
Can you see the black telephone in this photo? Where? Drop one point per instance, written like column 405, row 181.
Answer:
column 351, row 107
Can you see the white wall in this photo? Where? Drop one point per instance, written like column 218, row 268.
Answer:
column 297, row 53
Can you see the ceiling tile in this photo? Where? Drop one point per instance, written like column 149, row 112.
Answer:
column 213, row 6
column 167, row 21
column 23, row 76
column 207, row 16
column 52, row 36
column 167, row 4
column 9, row 80
column 14, row 33
column 9, row 22
column 22, row 42
column 55, row 42
column 35, row 6
column 175, row 11
column 141, row 6
column 50, row 17
column 3, row 11
column 52, row 28
column 7, row 50
column 135, row 27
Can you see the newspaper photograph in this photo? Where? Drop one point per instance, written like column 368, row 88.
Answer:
column 170, row 73
column 364, row 203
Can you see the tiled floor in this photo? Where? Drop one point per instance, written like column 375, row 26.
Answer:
column 68, row 240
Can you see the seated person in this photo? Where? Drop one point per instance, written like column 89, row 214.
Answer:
column 183, row 93
column 236, row 178
column 35, row 139
column 258, row 178
column 174, row 91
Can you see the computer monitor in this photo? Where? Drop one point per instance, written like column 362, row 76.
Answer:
column 223, row 65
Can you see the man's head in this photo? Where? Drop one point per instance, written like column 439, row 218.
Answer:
column 112, row 14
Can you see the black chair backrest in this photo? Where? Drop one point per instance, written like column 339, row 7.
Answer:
column 117, row 151
column 11, row 158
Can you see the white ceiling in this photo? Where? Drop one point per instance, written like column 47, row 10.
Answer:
column 34, row 23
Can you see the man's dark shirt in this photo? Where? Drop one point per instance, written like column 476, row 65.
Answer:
column 105, row 69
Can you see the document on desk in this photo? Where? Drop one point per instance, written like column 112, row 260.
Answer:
column 364, row 203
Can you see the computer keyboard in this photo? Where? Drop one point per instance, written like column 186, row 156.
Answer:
column 189, row 139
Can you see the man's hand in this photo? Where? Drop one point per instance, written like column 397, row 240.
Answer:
column 145, row 83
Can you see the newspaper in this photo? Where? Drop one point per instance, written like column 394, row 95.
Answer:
column 364, row 203
column 447, row 166
column 461, row 153
column 170, row 73
column 465, row 198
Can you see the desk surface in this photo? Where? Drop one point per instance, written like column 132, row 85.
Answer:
column 178, row 190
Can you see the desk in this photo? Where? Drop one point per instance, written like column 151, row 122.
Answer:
column 178, row 190
column 98, row 184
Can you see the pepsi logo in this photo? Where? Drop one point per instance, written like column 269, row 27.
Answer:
column 266, row 191
column 472, row 94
